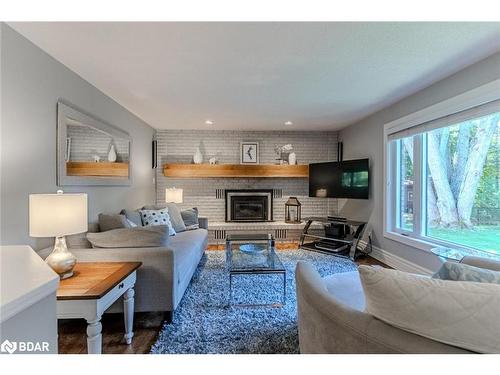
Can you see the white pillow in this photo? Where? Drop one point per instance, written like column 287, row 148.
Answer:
column 460, row 313
column 157, row 217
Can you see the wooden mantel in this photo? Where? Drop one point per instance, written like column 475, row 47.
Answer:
column 101, row 169
column 234, row 170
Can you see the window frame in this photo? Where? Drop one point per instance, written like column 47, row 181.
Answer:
column 391, row 201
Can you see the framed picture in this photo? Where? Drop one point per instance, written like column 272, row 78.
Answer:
column 249, row 152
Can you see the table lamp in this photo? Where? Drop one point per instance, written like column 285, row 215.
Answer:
column 58, row 215
column 173, row 195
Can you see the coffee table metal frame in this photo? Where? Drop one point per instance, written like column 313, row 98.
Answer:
column 253, row 271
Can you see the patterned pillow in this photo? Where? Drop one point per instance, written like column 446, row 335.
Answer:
column 173, row 213
column 157, row 217
column 464, row 272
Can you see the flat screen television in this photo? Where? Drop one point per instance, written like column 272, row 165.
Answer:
column 343, row 179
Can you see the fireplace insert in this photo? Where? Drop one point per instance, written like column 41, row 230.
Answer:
column 249, row 205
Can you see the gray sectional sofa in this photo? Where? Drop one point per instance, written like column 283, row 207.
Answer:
column 165, row 272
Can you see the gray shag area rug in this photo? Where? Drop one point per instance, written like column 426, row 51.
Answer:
column 205, row 323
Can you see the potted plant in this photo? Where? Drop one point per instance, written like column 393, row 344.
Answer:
column 283, row 153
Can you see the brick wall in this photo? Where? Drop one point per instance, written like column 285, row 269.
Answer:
column 87, row 142
column 178, row 146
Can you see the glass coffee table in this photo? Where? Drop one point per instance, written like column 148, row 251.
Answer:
column 253, row 254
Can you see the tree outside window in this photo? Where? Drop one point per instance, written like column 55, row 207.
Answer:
column 461, row 178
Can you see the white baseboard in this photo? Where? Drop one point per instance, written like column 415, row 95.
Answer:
column 396, row 262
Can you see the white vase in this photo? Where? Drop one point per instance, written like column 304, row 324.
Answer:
column 198, row 157
column 292, row 158
column 112, row 154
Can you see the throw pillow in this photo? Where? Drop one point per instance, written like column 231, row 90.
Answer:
column 464, row 272
column 133, row 215
column 173, row 212
column 157, row 217
column 132, row 224
column 109, row 222
column 190, row 218
column 463, row 314
column 156, row 236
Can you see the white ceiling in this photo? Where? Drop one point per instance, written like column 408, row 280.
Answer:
column 256, row 76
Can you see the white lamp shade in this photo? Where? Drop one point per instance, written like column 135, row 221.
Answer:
column 173, row 195
column 56, row 215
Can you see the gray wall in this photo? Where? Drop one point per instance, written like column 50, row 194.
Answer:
column 365, row 139
column 31, row 84
column 178, row 146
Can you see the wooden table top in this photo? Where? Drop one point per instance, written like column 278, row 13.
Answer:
column 94, row 280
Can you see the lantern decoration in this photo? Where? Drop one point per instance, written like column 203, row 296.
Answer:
column 293, row 211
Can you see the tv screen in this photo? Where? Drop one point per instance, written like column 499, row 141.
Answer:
column 343, row 179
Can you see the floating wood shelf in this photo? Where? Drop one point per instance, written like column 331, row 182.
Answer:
column 101, row 169
column 234, row 170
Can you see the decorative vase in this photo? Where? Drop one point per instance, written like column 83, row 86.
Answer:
column 61, row 260
column 112, row 154
column 198, row 157
column 292, row 158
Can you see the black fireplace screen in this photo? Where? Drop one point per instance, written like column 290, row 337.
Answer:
column 248, row 206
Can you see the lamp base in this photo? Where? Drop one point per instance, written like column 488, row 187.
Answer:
column 66, row 275
column 61, row 260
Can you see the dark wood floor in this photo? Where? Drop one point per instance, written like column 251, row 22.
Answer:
column 72, row 332
column 73, row 338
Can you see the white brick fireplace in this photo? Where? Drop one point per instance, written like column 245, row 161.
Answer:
column 208, row 194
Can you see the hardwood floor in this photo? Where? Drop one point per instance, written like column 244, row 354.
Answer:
column 73, row 338
column 369, row 261
column 72, row 332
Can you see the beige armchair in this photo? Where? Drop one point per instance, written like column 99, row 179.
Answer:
column 331, row 317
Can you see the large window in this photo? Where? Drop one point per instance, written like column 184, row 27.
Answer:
column 445, row 180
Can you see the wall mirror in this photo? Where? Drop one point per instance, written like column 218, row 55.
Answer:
column 90, row 151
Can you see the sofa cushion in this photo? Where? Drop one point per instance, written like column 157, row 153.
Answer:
column 346, row 288
column 190, row 218
column 132, row 224
column 459, row 313
column 109, row 222
column 463, row 272
column 481, row 262
column 175, row 217
column 174, row 214
column 157, row 217
column 133, row 215
column 153, row 236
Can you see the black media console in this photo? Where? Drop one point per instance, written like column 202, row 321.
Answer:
column 339, row 237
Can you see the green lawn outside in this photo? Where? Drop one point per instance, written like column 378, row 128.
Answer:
column 485, row 237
